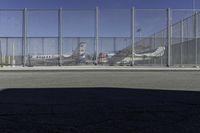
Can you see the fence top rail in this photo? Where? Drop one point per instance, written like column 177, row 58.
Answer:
column 53, row 9
column 63, row 37
column 185, row 9
column 11, row 9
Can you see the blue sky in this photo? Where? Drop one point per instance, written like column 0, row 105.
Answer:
column 89, row 4
column 112, row 22
column 81, row 23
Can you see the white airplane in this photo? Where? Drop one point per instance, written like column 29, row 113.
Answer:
column 78, row 53
column 45, row 57
column 159, row 52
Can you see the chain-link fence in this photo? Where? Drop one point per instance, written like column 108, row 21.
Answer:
column 139, row 37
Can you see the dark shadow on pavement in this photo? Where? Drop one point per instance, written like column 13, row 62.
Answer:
column 99, row 110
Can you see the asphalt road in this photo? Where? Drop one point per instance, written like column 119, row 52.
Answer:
column 136, row 106
column 148, row 80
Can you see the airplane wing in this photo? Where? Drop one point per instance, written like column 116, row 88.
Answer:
column 157, row 53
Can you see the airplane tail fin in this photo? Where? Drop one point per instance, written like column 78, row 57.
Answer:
column 80, row 50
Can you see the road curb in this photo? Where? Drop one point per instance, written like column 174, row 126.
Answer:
column 95, row 69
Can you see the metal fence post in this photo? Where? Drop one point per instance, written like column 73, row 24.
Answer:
column 7, row 52
column 169, row 31
column 24, row 36
column 43, row 50
column 162, row 44
column 97, row 33
column 1, row 54
column 196, row 39
column 182, row 40
column 133, row 34
column 154, row 46
column 114, row 44
column 60, row 32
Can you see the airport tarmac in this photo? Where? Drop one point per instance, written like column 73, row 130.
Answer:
column 88, row 102
column 173, row 80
